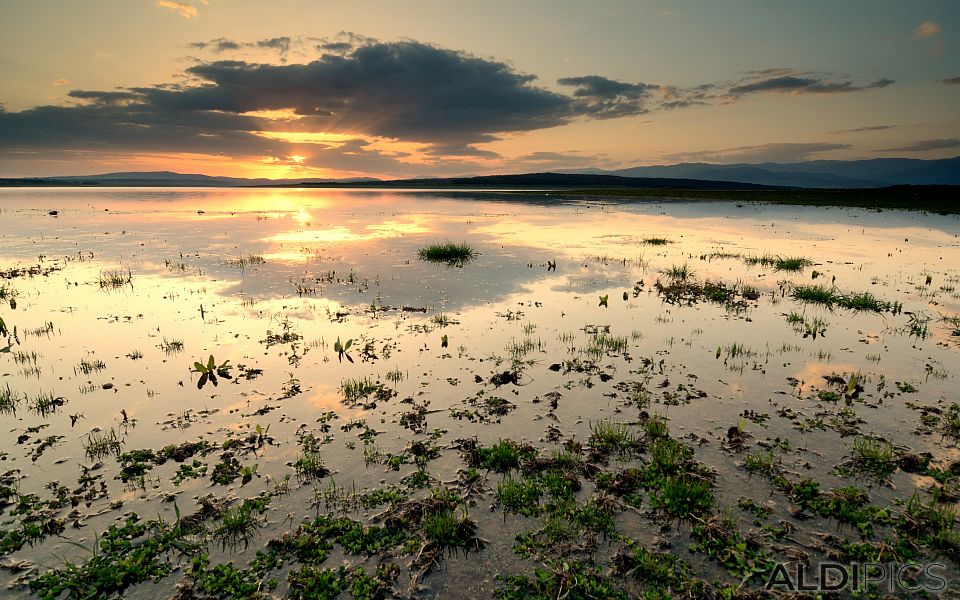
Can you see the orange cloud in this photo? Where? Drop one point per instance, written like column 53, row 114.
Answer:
column 187, row 11
column 61, row 82
column 926, row 30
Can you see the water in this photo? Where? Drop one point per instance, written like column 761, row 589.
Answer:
column 270, row 279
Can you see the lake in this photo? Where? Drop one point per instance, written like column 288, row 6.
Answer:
column 604, row 382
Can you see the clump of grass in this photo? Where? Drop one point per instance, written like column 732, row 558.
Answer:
column 502, row 456
column 100, row 444
column 779, row 263
column 361, row 388
column 446, row 529
column 115, row 278
column 830, row 297
column 239, row 524
column 931, row 524
column 602, row 343
column 450, row 253
column 685, row 496
column 519, row 349
column 791, row 263
column 395, row 375
column 655, row 241
column 951, row 421
column 520, row 496
column 607, row 437
column 244, row 261
column 46, row 403
column 443, row 320
column 667, row 455
column 309, row 465
column 656, row 428
column 9, row 400
column 680, row 272
column 873, row 455
column 761, row 461
column 173, row 346
column 88, row 366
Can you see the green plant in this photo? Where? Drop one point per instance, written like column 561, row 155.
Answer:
column 210, row 371
column 115, row 278
column 680, row 272
column 685, row 496
column 342, row 348
column 873, row 455
column 100, row 444
column 449, row 253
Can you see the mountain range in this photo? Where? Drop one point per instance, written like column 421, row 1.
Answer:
column 873, row 173
column 877, row 172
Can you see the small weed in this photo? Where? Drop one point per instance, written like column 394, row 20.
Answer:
column 100, row 444
column 680, row 272
column 873, row 455
column 115, row 278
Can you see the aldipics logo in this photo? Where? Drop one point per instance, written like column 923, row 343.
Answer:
column 835, row 577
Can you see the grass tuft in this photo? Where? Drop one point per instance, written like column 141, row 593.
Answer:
column 449, row 253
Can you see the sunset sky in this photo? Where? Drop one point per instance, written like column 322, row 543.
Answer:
column 324, row 88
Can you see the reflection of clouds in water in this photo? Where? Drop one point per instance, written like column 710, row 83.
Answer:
column 812, row 375
column 376, row 231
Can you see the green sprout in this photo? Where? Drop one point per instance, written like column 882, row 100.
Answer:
column 210, row 371
column 342, row 349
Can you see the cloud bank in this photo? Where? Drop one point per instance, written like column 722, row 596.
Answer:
column 446, row 101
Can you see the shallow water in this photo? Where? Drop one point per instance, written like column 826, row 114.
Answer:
column 334, row 264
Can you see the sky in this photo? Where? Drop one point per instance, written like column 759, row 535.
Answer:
column 324, row 88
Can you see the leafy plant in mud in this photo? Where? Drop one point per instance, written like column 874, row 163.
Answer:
column 342, row 348
column 210, row 371
column 718, row 537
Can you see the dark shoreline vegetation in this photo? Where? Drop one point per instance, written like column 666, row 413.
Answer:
column 642, row 415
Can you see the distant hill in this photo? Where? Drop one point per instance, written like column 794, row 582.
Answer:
column 878, row 172
column 166, row 179
column 526, row 180
column 826, row 174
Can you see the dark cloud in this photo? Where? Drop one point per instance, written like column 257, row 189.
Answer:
column 863, row 129
column 776, row 152
column 217, row 45
column 925, row 145
column 280, row 44
column 459, row 151
column 951, row 80
column 335, row 46
column 607, row 98
column 402, row 90
column 789, row 82
column 122, row 121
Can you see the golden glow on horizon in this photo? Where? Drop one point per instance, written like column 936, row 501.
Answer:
column 307, row 137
